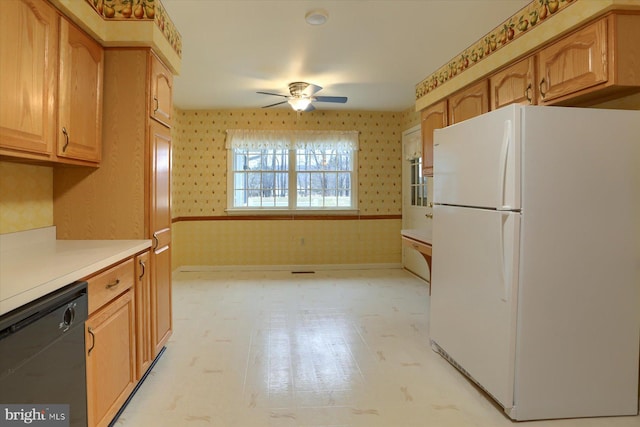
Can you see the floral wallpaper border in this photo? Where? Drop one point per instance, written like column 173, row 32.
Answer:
column 142, row 10
column 524, row 20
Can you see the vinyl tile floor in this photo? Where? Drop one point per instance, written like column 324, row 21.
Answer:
column 330, row 348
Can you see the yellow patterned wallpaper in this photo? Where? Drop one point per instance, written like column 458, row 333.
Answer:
column 199, row 190
column 26, row 197
column 200, row 159
column 291, row 243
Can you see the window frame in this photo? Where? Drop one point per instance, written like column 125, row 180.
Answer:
column 291, row 208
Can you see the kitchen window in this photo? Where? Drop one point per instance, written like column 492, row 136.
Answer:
column 274, row 171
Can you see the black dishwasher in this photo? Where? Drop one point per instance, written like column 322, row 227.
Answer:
column 42, row 348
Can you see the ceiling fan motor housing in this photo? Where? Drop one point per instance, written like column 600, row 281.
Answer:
column 296, row 88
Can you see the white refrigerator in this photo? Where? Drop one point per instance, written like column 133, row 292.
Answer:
column 536, row 258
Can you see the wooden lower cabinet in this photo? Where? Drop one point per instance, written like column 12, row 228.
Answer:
column 111, row 358
column 143, row 295
column 161, row 298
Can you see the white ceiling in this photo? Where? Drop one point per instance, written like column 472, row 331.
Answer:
column 372, row 51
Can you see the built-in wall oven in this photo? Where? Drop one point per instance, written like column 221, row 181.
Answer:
column 42, row 359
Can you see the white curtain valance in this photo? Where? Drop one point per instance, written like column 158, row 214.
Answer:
column 292, row 139
column 413, row 146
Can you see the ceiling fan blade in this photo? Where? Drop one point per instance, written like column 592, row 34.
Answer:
column 309, row 108
column 273, row 105
column 339, row 99
column 275, row 94
column 311, row 89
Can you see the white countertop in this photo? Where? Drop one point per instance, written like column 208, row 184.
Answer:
column 33, row 263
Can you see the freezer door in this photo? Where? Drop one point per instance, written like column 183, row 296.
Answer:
column 474, row 293
column 476, row 162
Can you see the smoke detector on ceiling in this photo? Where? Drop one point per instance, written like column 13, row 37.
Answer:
column 316, row 17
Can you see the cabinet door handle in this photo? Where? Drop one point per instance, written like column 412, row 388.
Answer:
column 143, row 268
column 542, row 92
column 66, row 139
column 429, row 215
column 93, row 340
column 156, row 242
column 155, row 110
column 527, row 94
column 113, row 284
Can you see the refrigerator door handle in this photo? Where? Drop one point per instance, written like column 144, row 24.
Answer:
column 504, row 153
column 506, row 275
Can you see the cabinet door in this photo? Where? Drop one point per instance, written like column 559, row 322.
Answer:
column 162, row 321
column 432, row 118
column 513, row 85
column 28, row 62
column 469, row 102
column 161, row 100
column 110, row 342
column 144, row 350
column 160, row 221
column 576, row 62
column 80, row 97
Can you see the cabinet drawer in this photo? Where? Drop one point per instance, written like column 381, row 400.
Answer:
column 109, row 284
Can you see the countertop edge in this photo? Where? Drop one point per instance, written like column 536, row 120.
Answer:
column 124, row 249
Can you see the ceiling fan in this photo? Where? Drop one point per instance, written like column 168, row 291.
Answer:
column 302, row 97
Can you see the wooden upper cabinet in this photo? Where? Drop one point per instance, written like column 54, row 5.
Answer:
column 161, row 99
column 595, row 63
column 576, row 62
column 80, row 95
column 28, row 65
column 432, row 118
column 469, row 102
column 514, row 85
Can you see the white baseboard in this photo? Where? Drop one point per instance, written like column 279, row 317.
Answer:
column 293, row 268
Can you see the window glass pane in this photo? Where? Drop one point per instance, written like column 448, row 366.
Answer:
column 418, row 184
column 322, row 178
column 260, row 178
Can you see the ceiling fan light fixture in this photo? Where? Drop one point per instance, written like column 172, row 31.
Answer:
column 299, row 103
column 316, row 17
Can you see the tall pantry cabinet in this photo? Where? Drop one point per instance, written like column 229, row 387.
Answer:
column 128, row 197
